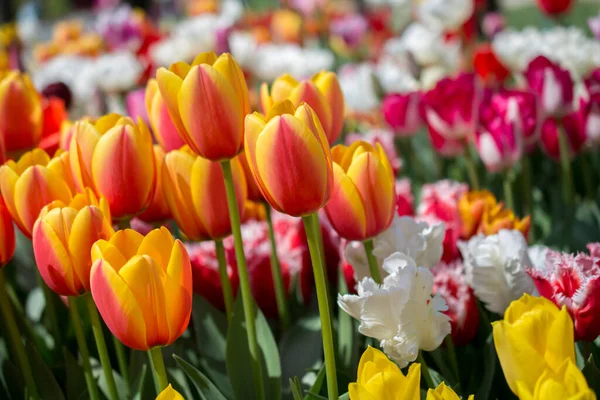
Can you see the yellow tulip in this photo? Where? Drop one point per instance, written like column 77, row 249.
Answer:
column 533, row 337
column 443, row 392
column 169, row 394
column 568, row 383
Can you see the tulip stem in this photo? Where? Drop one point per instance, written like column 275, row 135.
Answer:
column 373, row 267
column 528, row 193
column 312, row 228
column 161, row 381
column 452, row 353
column 83, row 349
column 49, row 296
column 508, row 190
column 425, row 371
column 122, row 361
column 280, row 292
column 246, row 291
column 12, row 332
column 225, row 283
column 588, row 180
column 471, row 170
column 101, row 345
column 565, row 164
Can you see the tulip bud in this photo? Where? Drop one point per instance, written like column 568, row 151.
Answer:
column 554, row 8
column 158, row 210
column 497, row 218
column 290, row 158
column 188, row 179
column 164, row 130
column 520, row 110
column 7, row 230
column 62, row 240
column 29, row 184
column 207, row 101
column 401, row 112
column 499, row 145
column 125, row 268
column 574, row 133
column 552, row 84
column 20, row 113
column 115, row 157
column 363, row 199
column 471, row 207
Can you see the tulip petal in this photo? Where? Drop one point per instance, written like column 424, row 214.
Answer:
column 208, row 57
column 229, row 68
column 103, row 249
column 283, row 87
column 169, row 85
column 118, row 306
column 128, row 241
column 308, row 93
column 83, row 142
column 157, row 244
column 345, row 210
column 8, row 181
column 179, row 288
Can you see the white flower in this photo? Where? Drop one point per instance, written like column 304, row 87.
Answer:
column 537, row 255
column 444, row 14
column 418, row 240
column 428, row 46
column 359, row 86
column 401, row 313
column 496, row 268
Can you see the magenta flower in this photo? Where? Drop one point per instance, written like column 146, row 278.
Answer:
column 552, row 84
column 401, row 112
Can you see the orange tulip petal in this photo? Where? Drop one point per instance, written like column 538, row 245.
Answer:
column 345, row 210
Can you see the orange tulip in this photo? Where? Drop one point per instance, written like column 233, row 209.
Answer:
column 115, row 157
column 195, row 192
column 7, row 241
column 363, row 203
column 207, row 101
column 158, row 210
column 323, row 94
column 289, row 156
column 254, row 193
column 29, row 184
column 62, row 240
column 286, row 26
column 142, row 287
column 20, row 113
column 163, row 128
column 471, row 207
column 496, row 218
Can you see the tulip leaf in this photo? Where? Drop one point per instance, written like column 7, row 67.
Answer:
column 489, row 369
column 345, row 396
column 206, row 389
column 317, row 385
column 296, row 388
column 592, row 374
column 347, row 335
column 239, row 363
column 48, row 388
column 76, row 385
column 139, row 383
column 436, row 377
column 12, row 380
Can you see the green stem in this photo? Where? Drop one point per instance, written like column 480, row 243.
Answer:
column 50, row 298
column 246, row 291
column 312, row 228
column 565, row 165
column 161, row 381
column 122, row 360
column 453, row 360
column 101, row 345
column 280, row 292
column 83, row 349
column 527, row 190
column 225, row 283
column 425, row 371
column 471, row 170
column 15, row 337
column 373, row 267
column 588, row 179
column 508, row 190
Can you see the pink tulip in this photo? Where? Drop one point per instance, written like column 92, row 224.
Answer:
column 519, row 109
column 401, row 112
column 553, row 85
column 574, row 134
column 592, row 82
column 499, row 144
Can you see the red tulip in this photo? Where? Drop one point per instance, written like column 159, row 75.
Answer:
column 554, row 8
column 488, row 67
column 552, row 84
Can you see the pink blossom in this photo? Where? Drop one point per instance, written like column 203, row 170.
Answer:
column 404, row 198
column 136, row 105
column 573, row 132
column 401, row 112
column 594, row 24
column 499, row 145
column 553, row 85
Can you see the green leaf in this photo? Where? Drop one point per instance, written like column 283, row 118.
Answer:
column 345, row 396
column 301, row 347
column 313, row 393
column 139, row 383
column 99, row 375
column 206, row 388
column 592, row 374
column 13, row 381
column 489, row 369
column 436, row 377
column 239, row 364
column 347, row 335
column 76, row 385
column 296, row 388
column 47, row 386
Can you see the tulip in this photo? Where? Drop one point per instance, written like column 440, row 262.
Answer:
column 323, row 94
column 404, row 198
column 254, row 193
column 488, row 67
column 187, row 179
column 207, row 101
column 288, row 155
column 552, row 84
column 135, row 102
column 519, row 109
column 29, row 184
column 115, row 157
column 554, row 8
column 124, row 269
column 401, row 112
column 497, row 217
column 169, row 394
column 54, row 114
column 443, row 392
column 567, row 383
column 20, row 113
column 164, row 130
column 158, row 210
column 592, row 82
column 572, row 281
column 589, row 118
column 62, row 241
column 362, row 202
column 573, row 132
column 471, row 207
column 533, row 337
column 385, row 138
column 380, row 378
column 8, row 242
column 500, row 147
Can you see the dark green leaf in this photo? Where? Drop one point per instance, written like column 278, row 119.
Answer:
column 489, row 369
column 139, row 383
column 592, row 374
column 347, row 335
column 47, row 386
column 206, row 388
column 12, row 379
column 76, row 385
column 317, row 386
column 436, row 377
column 301, row 347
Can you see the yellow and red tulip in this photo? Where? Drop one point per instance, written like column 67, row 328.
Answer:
column 289, row 156
column 207, row 101
column 7, row 230
column 471, row 207
column 20, row 113
column 195, row 191
column 362, row 203
column 164, row 130
column 158, row 210
column 254, row 193
column 62, row 240
column 142, row 287
column 322, row 93
column 29, row 184
column 115, row 157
